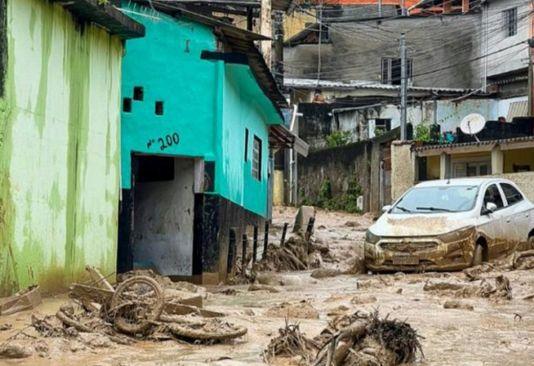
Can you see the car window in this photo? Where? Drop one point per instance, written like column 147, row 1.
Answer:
column 494, row 196
column 435, row 199
column 511, row 193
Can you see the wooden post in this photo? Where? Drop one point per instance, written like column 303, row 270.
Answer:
column 244, row 253
column 265, row 239
column 309, row 230
column 283, row 240
column 255, row 244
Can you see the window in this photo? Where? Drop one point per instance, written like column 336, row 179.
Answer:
column 127, row 105
column 494, row 196
column 471, row 169
column 246, row 144
column 447, row 198
column 256, row 158
column 512, row 195
column 159, row 108
column 391, row 70
column 138, row 93
column 510, row 22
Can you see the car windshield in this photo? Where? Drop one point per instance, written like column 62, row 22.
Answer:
column 437, row 199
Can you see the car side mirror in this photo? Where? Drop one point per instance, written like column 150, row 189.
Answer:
column 386, row 208
column 489, row 208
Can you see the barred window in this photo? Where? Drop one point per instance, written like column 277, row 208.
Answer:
column 510, row 22
column 256, row 158
column 391, row 70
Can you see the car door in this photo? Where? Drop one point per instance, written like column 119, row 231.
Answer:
column 517, row 216
column 492, row 224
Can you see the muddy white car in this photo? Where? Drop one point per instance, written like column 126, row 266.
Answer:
column 450, row 225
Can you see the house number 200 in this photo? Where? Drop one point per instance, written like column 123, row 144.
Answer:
column 168, row 141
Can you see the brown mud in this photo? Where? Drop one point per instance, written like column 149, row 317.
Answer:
column 498, row 331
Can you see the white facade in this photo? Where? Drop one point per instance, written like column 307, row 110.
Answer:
column 504, row 53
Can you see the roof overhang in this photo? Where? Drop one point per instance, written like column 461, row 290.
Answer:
column 280, row 137
column 105, row 15
column 474, row 147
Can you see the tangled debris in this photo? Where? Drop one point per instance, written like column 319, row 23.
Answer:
column 292, row 256
column 368, row 340
column 357, row 339
column 523, row 260
column 291, row 342
column 496, row 288
column 101, row 315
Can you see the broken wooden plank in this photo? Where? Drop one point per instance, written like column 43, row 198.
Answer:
column 26, row 299
column 98, row 279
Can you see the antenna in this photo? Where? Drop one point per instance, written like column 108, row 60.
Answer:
column 472, row 124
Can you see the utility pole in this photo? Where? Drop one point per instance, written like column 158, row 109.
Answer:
column 404, row 11
column 266, row 29
column 380, row 8
column 319, row 41
column 278, row 62
column 404, row 87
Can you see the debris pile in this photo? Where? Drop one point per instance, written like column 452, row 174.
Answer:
column 296, row 254
column 366, row 339
column 523, row 260
column 100, row 315
column 497, row 288
column 291, row 343
column 357, row 339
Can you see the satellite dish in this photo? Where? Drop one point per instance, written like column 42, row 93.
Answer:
column 472, row 124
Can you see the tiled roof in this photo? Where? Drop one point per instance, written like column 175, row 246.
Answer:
column 362, row 84
column 473, row 143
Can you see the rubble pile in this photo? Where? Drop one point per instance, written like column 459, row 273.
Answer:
column 498, row 288
column 356, row 340
column 366, row 339
column 291, row 343
column 100, row 315
column 296, row 254
column 523, row 260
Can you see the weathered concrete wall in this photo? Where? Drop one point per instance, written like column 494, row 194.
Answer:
column 164, row 216
column 510, row 58
column 403, row 174
column 342, row 165
column 59, row 148
column 433, row 43
column 339, row 165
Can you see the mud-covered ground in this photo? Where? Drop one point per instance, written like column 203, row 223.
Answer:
column 489, row 329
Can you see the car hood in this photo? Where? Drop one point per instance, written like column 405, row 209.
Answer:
column 419, row 225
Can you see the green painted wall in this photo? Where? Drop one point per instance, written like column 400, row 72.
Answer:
column 234, row 175
column 59, row 148
column 166, row 64
column 207, row 103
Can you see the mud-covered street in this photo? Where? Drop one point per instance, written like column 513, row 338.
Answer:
column 463, row 320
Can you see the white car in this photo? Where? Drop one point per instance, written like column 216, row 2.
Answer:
column 450, row 225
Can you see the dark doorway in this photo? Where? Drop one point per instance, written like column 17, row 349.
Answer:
column 156, row 223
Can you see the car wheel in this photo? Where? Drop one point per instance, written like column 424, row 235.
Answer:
column 478, row 255
column 530, row 242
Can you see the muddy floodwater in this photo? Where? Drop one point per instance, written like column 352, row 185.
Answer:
column 461, row 321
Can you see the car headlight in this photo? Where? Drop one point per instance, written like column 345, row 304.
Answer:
column 371, row 238
column 456, row 235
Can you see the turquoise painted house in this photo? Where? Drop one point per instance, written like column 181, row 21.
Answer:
column 200, row 111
